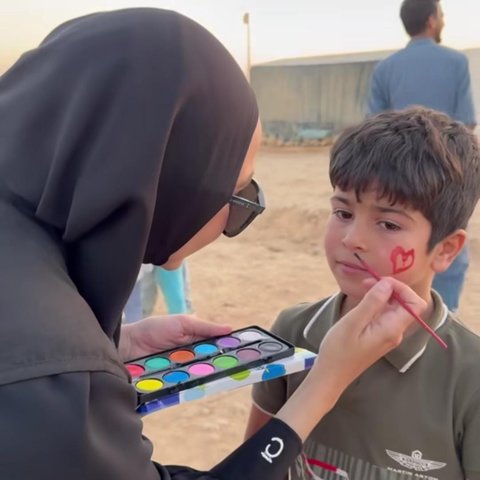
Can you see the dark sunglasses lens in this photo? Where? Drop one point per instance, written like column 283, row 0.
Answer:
column 240, row 216
column 250, row 192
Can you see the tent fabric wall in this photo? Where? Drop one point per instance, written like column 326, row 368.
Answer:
column 323, row 94
column 326, row 97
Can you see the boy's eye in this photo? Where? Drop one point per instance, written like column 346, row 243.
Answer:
column 342, row 214
column 392, row 227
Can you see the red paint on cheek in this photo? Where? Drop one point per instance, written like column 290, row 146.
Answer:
column 402, row 260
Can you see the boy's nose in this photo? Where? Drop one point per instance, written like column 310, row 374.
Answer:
column 355, row 238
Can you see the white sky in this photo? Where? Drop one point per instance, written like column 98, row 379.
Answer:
column 279, row 28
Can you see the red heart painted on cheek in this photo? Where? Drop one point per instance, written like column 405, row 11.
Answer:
column 402, row 260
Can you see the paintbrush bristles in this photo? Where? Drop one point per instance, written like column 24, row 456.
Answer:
column 367, row 267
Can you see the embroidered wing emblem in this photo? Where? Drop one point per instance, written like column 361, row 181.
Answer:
column 415, row 461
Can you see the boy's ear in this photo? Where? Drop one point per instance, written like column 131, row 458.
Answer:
column 447, row 249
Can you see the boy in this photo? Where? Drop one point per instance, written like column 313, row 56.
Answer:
column 405, row 184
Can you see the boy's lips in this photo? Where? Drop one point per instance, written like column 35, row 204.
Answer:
column 351, row 266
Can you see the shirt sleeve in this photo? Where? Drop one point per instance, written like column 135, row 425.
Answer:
column 471, row 439
column 267, row 455
column 464, row 107
column 83, row 425
column 377, row 98
column 73, row 426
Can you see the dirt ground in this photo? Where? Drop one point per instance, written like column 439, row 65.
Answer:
column 247, row 280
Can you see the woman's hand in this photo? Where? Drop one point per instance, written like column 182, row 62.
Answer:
column 360, row 338
column 153, row 334
column 365, row 334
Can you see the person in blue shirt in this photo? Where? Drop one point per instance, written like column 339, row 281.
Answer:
column 426, row 73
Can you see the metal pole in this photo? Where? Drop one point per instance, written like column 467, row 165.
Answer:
column 246, row 21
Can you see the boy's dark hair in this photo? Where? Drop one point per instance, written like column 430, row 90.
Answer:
column 415, row 14
column 416, row 157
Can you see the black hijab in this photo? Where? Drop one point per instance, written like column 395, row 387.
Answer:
column 121, row 135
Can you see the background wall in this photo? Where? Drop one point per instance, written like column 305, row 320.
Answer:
column 310, row 98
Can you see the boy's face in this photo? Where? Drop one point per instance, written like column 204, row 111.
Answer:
column 392, row 239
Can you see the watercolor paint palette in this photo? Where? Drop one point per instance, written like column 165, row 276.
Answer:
column 170, row 371
column 301, row 360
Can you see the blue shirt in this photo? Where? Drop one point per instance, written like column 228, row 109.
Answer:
column 424, row 73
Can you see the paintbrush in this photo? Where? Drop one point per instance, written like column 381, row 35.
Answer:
column 404, row 304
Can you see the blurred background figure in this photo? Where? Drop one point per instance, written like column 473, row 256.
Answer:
column 173, row 285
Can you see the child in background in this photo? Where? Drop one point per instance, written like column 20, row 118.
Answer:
column 174, row 285
column 405, row 185
column 134, row 309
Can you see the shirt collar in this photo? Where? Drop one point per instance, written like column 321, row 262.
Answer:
column 402, row 357
column 416, row 42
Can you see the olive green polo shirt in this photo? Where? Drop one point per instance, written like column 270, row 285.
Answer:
column 415, row 414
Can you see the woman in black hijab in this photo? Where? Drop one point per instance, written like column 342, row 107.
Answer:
column 122, row 139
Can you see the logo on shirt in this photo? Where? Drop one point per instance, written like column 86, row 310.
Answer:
column 415, row 461
column 268, row 455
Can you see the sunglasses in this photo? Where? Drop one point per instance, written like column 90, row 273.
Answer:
column 244, row 208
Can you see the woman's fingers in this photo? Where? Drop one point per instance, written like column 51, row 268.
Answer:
column 199, row 329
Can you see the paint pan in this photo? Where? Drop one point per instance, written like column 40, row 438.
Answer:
column 188, row 366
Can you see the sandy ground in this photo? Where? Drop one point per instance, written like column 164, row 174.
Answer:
column 277, row 262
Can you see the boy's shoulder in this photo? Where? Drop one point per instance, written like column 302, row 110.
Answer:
column 462, row 341
column 292, row 322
